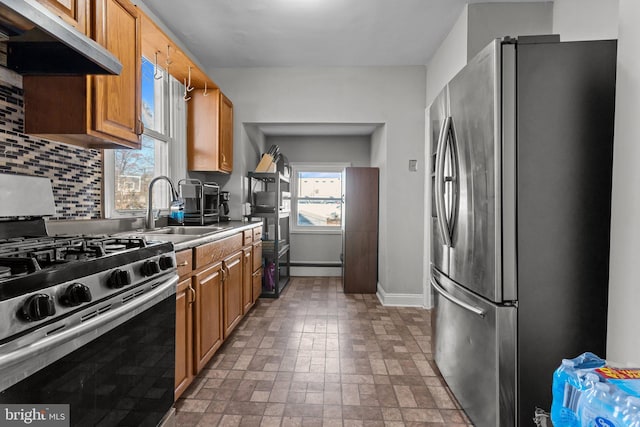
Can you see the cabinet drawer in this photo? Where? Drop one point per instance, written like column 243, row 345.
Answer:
column 215, row 251
column 248, row 237
column 184, row 262
column 257, row 234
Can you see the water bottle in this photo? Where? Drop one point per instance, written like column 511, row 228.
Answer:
column 563, row 392
column 596, row 407
column 630, row 415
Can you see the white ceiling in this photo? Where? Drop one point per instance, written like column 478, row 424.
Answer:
column 309, row 33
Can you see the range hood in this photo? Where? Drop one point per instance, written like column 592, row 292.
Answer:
column 40, row 43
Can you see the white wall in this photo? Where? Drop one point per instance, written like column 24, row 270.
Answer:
column 321, row 247
column 488, row 21
column 623, row 341
column 390, row 95
column 585, row 19
column 450, row 57
column 354, row 149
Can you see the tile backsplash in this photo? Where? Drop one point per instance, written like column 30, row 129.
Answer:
column 75, row 173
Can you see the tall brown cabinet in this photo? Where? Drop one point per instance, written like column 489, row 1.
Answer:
column 360, row 230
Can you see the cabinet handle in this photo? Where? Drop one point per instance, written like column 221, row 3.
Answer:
column 224, row 274
column 193, row 294
column 183, row 264
column 140, row 127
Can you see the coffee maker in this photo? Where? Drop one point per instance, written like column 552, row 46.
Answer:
column 224, row 205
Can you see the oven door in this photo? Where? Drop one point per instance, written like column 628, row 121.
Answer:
column 120, row 372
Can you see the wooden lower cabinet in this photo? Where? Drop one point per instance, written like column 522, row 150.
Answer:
column 218, row 285
column 232, row 292
column 208, row 316
column 185, row 297
column 247, row 271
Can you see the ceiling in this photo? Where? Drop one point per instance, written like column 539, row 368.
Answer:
column 309, row 33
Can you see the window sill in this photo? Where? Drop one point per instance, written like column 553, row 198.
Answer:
column 316, row 231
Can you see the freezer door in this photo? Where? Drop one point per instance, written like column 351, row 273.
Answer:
column 474, row 102
column 474, row 348
column 437, row 117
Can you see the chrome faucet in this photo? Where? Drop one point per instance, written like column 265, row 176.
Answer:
column 150, row 222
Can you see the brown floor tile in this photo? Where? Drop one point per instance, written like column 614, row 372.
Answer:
column 318, row 357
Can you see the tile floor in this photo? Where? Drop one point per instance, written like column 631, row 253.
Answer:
column 318, row 357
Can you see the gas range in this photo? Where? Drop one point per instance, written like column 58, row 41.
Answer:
column 52, row 285
column 45, row 278
column 89, row 309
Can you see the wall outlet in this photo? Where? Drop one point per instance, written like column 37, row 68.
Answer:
column 413, row 165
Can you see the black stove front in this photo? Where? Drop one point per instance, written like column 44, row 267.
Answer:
column 88, row 321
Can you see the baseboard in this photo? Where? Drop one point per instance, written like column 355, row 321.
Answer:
column 399, row 300
column 316, row 271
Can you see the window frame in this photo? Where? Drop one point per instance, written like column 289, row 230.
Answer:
column 311, row 167
column 167, row 155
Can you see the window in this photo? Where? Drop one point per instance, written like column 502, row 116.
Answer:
column 317, row 197
column 128, row 172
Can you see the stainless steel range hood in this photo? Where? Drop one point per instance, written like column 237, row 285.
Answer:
column 40, row 43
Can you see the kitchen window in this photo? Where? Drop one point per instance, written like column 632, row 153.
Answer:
column 128, row 172
column 317, row 197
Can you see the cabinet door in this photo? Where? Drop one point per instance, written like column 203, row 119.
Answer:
column 208, row 316
column 184, row 336
column 247, row 270
column 210, row 132
column 72, row 11
column 117, row 103
column 202, row 131
column 256, row 284
column 226, row 134
column 232, row 292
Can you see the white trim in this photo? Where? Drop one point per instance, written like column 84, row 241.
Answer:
column 399, row 300
column 316, row 271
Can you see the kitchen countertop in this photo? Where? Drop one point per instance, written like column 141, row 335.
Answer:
column 192, row 241
column 133, row 227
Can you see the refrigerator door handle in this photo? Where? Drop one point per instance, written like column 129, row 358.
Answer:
column 451, row 214
column 440, row 182
column 475, row 310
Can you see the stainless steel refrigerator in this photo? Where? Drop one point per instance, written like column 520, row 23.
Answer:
column 522, row 149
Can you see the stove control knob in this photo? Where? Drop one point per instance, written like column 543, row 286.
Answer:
column 119, row 278
column 149, row 268
column 76, row 294
column 37, row 307
column 166, row 262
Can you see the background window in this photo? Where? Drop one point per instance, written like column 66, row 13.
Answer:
column 317, row 197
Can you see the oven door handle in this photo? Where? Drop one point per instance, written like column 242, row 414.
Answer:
column 92, row 328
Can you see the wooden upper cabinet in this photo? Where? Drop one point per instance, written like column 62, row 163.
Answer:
column 117, row 105
column 93, row 111
column 209, row 132
column 75, row 12
column 226, row 133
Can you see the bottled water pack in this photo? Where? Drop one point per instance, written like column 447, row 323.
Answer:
column 587, row 392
